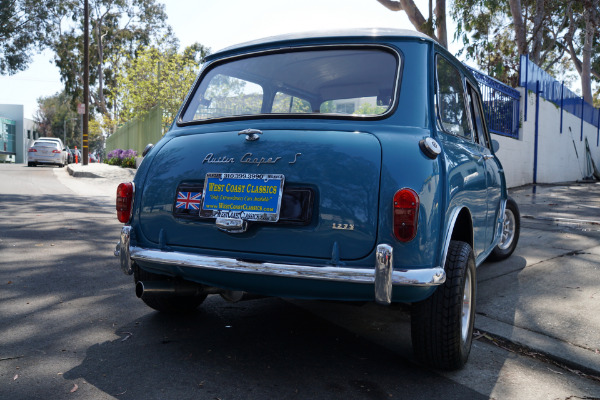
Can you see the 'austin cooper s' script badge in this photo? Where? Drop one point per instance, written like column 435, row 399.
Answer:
column 247, row 158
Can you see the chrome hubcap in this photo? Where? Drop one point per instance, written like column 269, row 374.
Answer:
column 466, row 307
column 508, row 230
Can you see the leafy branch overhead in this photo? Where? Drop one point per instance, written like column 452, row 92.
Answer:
column 118, row 29
column 129, row 40
column 434, row 26
column 556, row 34
column 24, row 27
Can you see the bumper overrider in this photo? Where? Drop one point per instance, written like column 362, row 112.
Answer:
column 383, row 277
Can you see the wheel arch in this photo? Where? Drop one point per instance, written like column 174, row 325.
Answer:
column 460, row 227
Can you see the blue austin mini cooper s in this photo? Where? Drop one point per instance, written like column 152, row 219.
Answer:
column 352, row 166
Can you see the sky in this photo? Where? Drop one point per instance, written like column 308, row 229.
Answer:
column 219, row 24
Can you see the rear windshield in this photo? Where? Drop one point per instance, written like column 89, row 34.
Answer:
column 333, row 82
column 46, row 143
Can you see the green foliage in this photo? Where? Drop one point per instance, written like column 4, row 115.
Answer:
column 155, row 77
column 117, row 29
column 327, row 107
column 284, row 103
column 95, row 137
column 123, row 158
column 113, row 161
column 54, row 115
column 128, row 162
column 370, row 109
column 24, row 26
column 485, row 29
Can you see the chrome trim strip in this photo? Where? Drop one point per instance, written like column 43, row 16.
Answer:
column 453, row 219
column 383, row 273
column 124, row 250
column 415, row 277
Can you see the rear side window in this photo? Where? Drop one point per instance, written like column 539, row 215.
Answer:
column 451, row 100
column 344, row 82
column 478, row 118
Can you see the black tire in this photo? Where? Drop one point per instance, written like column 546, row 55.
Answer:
column 442, row 325
column 170, row 304
column 31, row 164
column 510, row 233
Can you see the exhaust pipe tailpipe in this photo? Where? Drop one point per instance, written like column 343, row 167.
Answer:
column 146, row 289
column 172, row 288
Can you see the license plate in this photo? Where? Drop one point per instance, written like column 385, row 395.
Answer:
column 251, row 197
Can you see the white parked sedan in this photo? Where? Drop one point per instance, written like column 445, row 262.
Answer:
column 46, row 152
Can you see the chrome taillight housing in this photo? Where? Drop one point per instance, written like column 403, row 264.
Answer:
column 406, row 214
column 125, row 192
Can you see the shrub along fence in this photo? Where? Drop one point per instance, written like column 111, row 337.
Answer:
column 137, row 133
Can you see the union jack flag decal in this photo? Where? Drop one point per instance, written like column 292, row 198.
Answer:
column 188, row 200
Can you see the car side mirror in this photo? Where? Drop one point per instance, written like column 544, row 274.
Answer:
column 495, row 145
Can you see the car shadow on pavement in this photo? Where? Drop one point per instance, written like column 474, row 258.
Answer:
column 262, row 348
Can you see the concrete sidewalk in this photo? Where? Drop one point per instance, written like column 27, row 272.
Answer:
column 101, row 170
column 545, row 298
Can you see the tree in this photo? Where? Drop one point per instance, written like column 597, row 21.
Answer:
column 496, row 32
column 553, row 33
column 118, row 28
column 581, row 40
column 55, row 118
column 95, row 137
column 155, row 77
column 434, row 26
column 54, row 114
column 23, row 28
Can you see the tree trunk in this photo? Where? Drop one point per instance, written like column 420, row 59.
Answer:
column 521, row 39
column 440, row 22
column 538, row 32
column 418, row 20
column 586, row 62
column 101, row 98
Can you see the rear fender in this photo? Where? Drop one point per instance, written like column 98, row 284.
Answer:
column 460, row 227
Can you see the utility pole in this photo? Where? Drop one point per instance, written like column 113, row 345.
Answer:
column 86, row 80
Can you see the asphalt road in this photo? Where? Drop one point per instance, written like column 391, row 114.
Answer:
column 71, row 326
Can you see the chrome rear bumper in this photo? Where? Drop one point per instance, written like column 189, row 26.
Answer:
column 382, row 276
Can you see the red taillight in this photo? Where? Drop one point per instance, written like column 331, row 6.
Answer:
column 32, row 150
column 406, row 214
column 56, row 151
column 124, row 201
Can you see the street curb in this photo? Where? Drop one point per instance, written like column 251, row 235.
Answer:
column 561, row 220
column 81, row 174
column 562, row 352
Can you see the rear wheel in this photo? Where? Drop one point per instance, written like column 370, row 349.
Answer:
column 442, row 325
column 167, row 303
column 510, row 232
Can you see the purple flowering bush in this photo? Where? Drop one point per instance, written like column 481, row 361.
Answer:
column 123, row 158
